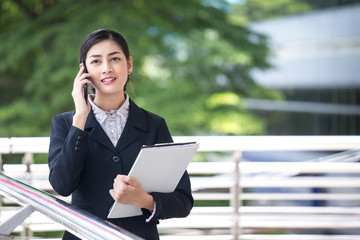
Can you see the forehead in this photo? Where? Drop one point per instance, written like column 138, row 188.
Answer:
column 104, row 47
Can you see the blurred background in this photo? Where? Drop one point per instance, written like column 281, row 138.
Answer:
column 210, row 67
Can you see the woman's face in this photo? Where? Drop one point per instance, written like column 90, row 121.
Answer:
column 108, row 67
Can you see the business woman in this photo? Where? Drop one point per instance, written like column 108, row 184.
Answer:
column 93, row 147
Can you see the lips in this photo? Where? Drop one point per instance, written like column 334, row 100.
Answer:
column 108, row 80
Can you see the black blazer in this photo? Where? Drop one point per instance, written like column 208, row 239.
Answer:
column 85, row 163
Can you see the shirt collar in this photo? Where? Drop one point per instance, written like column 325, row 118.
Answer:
column 101, row 115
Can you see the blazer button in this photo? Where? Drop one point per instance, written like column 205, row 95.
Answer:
column 79, row 137
column 78, row 143
column 116, row 159
column 77, row 149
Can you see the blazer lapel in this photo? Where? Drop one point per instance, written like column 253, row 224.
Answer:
column 135, row 123
column 96, row 132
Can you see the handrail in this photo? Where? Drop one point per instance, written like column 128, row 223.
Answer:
column 273, row 143
column 78, row 222
column 215, row 143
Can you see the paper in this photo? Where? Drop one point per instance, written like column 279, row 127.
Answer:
column 158, row 168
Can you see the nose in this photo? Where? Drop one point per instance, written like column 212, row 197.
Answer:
column 107, row 67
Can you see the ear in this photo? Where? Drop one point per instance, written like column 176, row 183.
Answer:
column 130, row 65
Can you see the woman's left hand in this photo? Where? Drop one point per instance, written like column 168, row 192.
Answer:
column 127, row 190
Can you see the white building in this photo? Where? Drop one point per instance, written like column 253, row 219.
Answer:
column 316, row 59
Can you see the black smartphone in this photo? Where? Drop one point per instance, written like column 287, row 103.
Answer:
column 85, row 87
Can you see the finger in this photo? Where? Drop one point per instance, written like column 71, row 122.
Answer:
column 78, row 82
column 81, row 75
column 78, row 85
column 117, row 178
column 80, row 72
column 84, row 76
column 119, row 184
column 84, row 81
column 128, row 180
column 112, row 193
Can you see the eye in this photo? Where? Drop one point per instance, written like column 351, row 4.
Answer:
column 115, row 59
column 95, row 61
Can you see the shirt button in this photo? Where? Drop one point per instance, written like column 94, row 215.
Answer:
column 116, row 159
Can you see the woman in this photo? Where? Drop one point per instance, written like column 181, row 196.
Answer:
column 93, row 148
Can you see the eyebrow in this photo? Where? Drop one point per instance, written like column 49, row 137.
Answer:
column 110, row 54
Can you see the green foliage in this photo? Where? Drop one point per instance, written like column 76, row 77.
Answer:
column 258, row 9
column 252, row 10
column 191, row 62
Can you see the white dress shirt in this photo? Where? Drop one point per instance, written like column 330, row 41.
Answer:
column 113, row 121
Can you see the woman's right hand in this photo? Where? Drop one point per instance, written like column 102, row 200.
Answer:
column 82, row 108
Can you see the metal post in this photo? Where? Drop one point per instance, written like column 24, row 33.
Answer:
column 28, row 159
column 10, row 224
column 3, row 237
column 1, row 162
column 1, row 169
column 236, row 202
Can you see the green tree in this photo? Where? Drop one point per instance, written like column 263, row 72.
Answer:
column 191, row 62
column 244, row 11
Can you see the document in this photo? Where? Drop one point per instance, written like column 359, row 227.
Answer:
column 158, row 168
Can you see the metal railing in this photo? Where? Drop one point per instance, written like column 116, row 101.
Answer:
column 254, row 218
column 236, row 145
column 78, row 222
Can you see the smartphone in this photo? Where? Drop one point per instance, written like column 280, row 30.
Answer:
column 85, row 87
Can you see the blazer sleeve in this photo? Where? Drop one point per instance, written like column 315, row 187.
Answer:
column 178, row 203
column 67, row 153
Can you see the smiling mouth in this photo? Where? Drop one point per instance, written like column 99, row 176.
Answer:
column 108, row 80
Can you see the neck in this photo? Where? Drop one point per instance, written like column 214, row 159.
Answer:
column 111, row 102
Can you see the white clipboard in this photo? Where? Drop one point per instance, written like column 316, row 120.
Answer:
column 158, row 168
